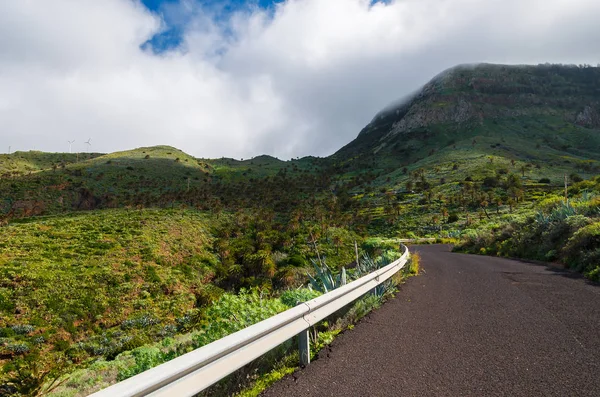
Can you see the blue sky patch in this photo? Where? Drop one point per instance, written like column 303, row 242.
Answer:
column 171, row 37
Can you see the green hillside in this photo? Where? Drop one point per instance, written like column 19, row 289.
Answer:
column 103, row 253
column 19, row 163
column 470, row 129
column 548, row 115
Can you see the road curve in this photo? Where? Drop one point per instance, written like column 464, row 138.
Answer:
column 468, row 326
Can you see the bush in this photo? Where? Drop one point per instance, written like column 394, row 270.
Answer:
column 581, row 251
column 374, row 245
column 575, row 178
column 594, row 274
column 141, row 322
column 145, row 358
column 414, row 264
column 296, row 261
column 544, row 180
column 453, row 217
column 490, row 181
column 294, row 297
column 22, row 329
column 232, row 313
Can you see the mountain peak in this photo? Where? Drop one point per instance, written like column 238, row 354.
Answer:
column 545, row 104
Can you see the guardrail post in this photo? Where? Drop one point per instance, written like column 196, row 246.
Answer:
column 304, row 347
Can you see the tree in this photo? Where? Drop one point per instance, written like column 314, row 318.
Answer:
column 337, row 242
column 389, row 196
column 435, row 219
column 498, row 204
column 444, row 213
column 511, row 204
column 513, row 180
column 484, row 204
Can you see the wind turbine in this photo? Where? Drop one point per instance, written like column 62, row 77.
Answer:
column 88, row 142
column 71, row 145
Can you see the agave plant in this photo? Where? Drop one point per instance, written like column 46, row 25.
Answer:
column 542, row 218
column 586, row 195
column 560, row 213
column 324, row 280
column 368, row 265
column 365, row 266
column 563, row 211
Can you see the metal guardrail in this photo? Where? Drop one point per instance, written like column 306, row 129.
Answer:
column 195, row 371
column 417, row 240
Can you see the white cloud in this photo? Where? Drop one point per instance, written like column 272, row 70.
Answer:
column 302, row 81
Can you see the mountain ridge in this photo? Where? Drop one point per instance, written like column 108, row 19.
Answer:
column 467, row 122
column 464, row 102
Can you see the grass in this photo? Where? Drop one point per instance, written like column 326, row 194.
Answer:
column 226, row 315
column 414, row 266
column 322, row 335
column 105, row 254
column 90, row 285
column 557, row 231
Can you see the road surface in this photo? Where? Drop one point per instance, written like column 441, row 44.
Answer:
column 468, row 326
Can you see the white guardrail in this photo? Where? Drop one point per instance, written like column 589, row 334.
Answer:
column 203, row 367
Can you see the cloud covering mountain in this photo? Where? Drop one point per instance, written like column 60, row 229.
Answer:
column 302, row 77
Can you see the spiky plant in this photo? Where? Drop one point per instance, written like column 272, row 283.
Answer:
column 324, row 279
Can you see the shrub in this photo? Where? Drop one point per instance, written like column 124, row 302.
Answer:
column 294, row 297
column 23, row 329
column 453, row 217
column 143, row 321
column 374, row 245
column 490, row 181
column 296, row 261
column 6, row 332
column 544, row 180
column 585, row 239
column 414, row 264
column 145, row 358
column 232, row 313
column 594, row 274
column 575, row 178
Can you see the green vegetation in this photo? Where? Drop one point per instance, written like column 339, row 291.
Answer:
column 89, row 286
column 567, row 232
column 113, row 263
column 228, row 314
column 414, row 265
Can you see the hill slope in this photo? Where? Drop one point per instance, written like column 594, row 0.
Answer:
column 470, row 122
column 477, row 151
column 547, row 114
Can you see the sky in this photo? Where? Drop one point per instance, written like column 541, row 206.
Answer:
column 240, row 78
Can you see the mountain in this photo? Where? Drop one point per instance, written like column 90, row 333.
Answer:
column 546, row 114
column 469, row 122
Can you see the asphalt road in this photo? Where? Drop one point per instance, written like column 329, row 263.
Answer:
column 468, row 326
